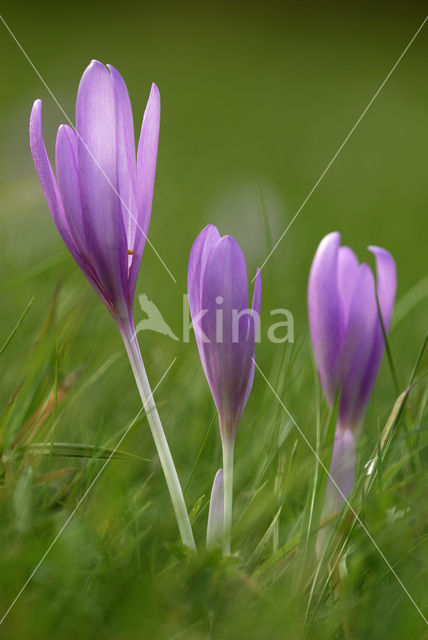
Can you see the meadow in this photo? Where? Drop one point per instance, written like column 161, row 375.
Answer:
column 256, row 101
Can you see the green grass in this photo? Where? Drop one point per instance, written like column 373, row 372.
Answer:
column 256, row 101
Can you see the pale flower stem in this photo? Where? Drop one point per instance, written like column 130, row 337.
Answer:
column 228, row 451
column 165, row 457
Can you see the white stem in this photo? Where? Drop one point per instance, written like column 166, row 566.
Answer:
column 228, row 450
column 165, row 457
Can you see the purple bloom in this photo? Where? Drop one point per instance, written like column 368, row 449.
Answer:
column 348, row 343
column 345, row 327
column 225, row 328
column 225, row 331
column 101, row 204
column 102, row 197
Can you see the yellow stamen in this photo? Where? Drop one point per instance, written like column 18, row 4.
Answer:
column 130, row 252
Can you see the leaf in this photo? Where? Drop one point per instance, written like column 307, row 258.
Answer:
column 386, row 438
column 264, row 540
column 283, row 553
column 196, row 508
column 72, row 450
column 33, row 424
column 58, row 473
column 418, row 359
column 16, row 327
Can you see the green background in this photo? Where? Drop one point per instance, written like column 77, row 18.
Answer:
column 256, row 100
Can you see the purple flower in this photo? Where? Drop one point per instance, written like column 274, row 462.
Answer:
column 348, row 344
column 225, row 331
column 101, row 200
column 101, row 204
column 225, row 328
column 345, row 327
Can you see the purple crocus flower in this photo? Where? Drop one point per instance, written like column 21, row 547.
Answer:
column 225, row 330
column 101, row 200
column 101, row 203
column 347, row 337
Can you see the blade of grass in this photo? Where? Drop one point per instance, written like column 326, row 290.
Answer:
column 387, row 348
column 418, row 360
column 72, row 450
column 386, row 438
column 201, row 448
column 16, row 327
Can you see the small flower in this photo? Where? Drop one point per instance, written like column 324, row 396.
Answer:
column 345, row 327
column 102, row 196
column 225, row 331
column 348, row 344
column 225, row 328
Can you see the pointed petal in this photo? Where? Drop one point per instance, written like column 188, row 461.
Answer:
column 201, row 248
column 68, row 183
column 126, row 156
column 53, row 198
column 325, row 313
column 357, row 348
column 386, row 288
column 216, row 512
column 386, row 282
column 254, row 322
column 146, row 161
column 96, row 122
column 146, row 172
column 47, row 178
column 347, row 273
column 257, row 297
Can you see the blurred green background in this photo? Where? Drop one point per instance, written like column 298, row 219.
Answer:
column 256, row 100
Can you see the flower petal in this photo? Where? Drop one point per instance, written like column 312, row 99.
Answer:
column 325, row 313
column 386, row 282
column 347, row 270
column 68, row 183
column 146, row 172
column 126, row 156
column 253, row 327
column 201, row 248
column 257, row 298
column 96, row 122
column 357, row 348
column 386, row 288
column 47, row 178
column 146, row 160
column 54, row 201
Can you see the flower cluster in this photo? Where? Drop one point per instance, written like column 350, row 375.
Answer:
column 101, row 200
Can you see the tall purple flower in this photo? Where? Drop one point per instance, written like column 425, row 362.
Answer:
column 225, row 330
column 101, row 200
column 347, row 337
column 101, row 203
